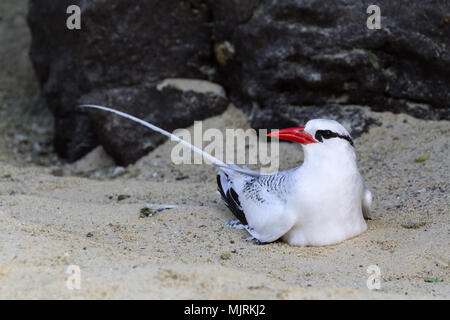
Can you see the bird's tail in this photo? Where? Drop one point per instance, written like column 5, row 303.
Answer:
column 367, row 203
column 223, row 166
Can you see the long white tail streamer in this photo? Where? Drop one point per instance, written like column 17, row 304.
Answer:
column 214, row 160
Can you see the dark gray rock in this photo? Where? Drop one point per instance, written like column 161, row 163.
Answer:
column 352, row 117
column 171, row 106
column 304, row 52
column 121, row 44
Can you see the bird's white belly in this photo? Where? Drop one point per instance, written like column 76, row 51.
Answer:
column 328, row 219
column 319, row 233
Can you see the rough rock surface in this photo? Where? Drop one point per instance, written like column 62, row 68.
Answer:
column 303, row 52
column 121, row 46
column 273, row 53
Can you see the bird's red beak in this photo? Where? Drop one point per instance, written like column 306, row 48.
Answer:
column 296, row 134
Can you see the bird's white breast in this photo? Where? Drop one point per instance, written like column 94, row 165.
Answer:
column 327, row 202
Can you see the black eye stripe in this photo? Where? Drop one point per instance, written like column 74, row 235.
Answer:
column 328, row 134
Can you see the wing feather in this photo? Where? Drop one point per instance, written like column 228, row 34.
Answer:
column 230, row 197
column 259, row 202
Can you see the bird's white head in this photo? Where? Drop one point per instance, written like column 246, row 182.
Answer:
column 316, row 132
column 324, row 142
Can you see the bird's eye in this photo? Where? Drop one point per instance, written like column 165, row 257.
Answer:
column 327, row 134
column 324, row 134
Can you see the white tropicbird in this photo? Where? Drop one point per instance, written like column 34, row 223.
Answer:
column 322, row 202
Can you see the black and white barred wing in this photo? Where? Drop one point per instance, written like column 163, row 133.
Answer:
column 259, row 202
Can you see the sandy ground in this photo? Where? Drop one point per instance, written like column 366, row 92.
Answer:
column 88, row 214
column 49, row 222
